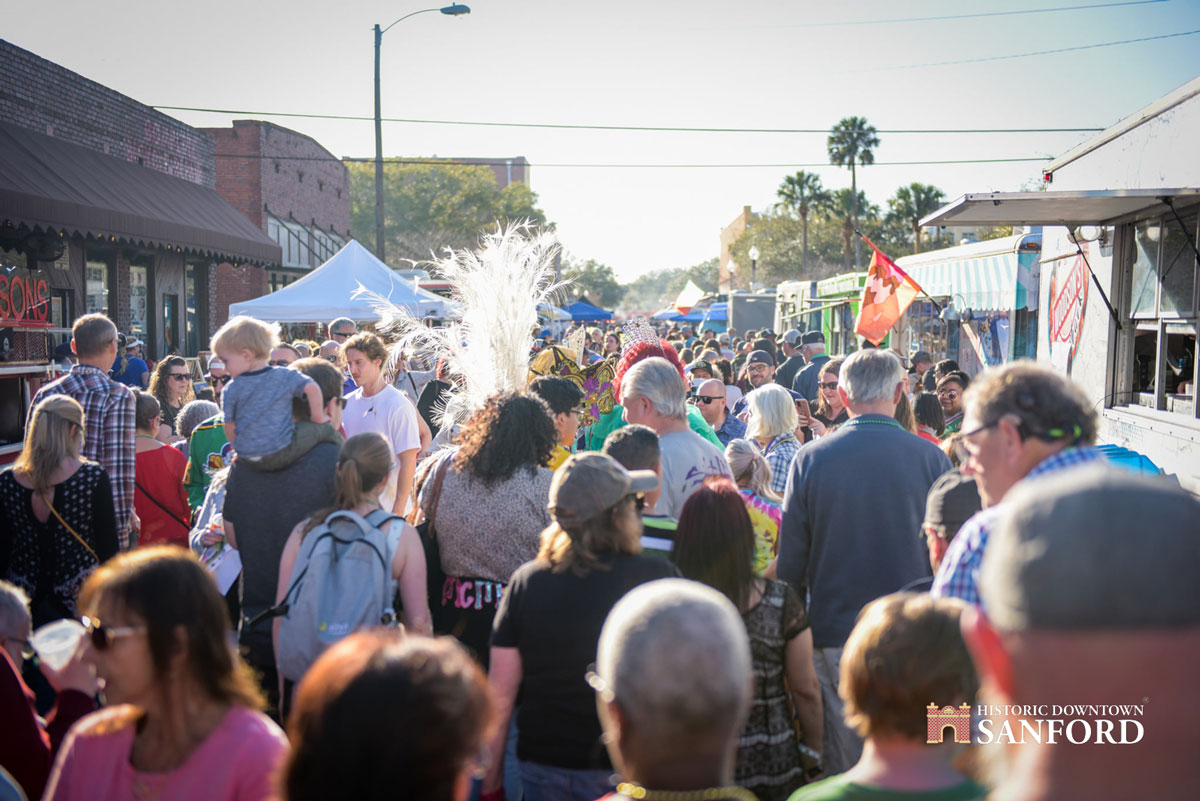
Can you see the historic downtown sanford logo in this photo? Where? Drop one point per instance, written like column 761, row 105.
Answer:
column 1040, row 723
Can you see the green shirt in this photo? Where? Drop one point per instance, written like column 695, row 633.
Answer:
column 658, row 535
column 207, row 453
column 838, row 788
column 610, row 422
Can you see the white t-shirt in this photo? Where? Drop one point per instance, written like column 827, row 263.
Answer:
column 687, row 459
column 388, row 413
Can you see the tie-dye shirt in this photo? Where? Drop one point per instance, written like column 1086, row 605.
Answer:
column 765, row 517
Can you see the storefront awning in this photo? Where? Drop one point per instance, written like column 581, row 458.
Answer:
column 1092, row 207
column 51, row 185
column 984, row 284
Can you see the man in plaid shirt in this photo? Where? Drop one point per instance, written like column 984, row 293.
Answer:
column 1020, row 421
column 108, row 411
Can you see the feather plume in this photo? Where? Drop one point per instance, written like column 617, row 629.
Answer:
column 497, row 290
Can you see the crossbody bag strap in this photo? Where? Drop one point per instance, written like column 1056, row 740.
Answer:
column 157, row 503
column 70, row 530
column 436, row 493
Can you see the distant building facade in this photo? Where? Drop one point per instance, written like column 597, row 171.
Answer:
column 729, row 274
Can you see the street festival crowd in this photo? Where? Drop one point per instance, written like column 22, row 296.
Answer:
column 669, row 564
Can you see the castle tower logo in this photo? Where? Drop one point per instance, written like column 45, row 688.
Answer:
column 937, row 719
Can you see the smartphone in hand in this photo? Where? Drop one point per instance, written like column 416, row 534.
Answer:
column 803, row 412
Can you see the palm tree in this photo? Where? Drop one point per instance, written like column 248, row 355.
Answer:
column 803, row 194
column 914, row 202
column 844, row 209
column 851, row 142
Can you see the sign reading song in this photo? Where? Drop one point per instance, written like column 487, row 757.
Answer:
column 24, row 293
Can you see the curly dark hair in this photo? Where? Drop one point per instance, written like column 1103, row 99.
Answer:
column 511, row 431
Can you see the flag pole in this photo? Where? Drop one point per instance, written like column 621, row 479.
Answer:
column 936, row 305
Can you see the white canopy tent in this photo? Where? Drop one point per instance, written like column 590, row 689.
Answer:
column 331, row 291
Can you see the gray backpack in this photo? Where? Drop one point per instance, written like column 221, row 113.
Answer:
column 341, row 582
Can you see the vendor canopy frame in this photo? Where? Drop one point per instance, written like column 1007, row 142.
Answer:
column 1070, row 209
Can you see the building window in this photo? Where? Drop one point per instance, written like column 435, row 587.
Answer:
column 97, row 287
column 139, row 288
column 1159, row 314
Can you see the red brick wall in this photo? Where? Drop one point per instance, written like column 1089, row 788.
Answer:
column 232, row 284
column 239, row 169
column 44, row 97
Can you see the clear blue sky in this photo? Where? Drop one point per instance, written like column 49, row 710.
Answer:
column 771, row 64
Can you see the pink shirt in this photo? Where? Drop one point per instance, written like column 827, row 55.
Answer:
column 237, row 762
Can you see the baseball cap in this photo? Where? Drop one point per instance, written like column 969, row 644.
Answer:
column 1093, row 548
column 921, row 356
column 133, row 343
column 792, row 337
column 760, row 357
column 702, row 364
column 589, row 483
column 767, row 332
column 812, row 337
column 217, row 363
column 952, row 500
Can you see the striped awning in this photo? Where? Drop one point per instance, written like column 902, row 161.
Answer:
column 988, row 283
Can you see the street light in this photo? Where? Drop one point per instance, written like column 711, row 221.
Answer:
column 753, row 254
column 453, row 11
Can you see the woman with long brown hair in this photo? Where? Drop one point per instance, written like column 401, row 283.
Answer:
column 831, row 411
column 182, row 719
column 58, row 522
column 171, row 385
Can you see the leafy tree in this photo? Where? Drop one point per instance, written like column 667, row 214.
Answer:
column 844, row 211
column 803, row 194
column 654, row 290
column 596, row 280
column 430, row 207
column 913, row 202
column 852, row 142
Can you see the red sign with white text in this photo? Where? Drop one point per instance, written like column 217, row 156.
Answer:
column 24, row 299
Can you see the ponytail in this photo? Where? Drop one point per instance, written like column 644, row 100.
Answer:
column 364, row 463
column 749, row 466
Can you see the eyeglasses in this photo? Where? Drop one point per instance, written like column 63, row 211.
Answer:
column 279, row 363
column 830, row 385
column 706, row 399
column 959, row 441
column 27, row 651
column 949, row 394
column 340, row 335
column 179, row 376
column 639, row 501
column 576, row 411
column 103, row 636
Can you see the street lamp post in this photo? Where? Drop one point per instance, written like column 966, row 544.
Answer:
column 753, row 254
column 451, row 10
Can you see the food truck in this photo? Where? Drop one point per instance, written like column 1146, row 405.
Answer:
column 1117, row 284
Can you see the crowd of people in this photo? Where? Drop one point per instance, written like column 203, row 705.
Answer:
column 738, row 568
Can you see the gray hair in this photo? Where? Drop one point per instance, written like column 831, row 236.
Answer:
column 192, row 415
column 342, row 321
column 871, row 375
column 747, row 463
column 772, row 411
column 675, row 657
column 14, row 609
column 657, row 380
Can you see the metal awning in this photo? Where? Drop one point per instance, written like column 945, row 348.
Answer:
column 990, row 283
column 1092, row 207
column 52, row 185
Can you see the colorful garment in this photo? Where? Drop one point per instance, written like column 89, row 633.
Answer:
column 557, row 457
column 953, row 426
column 765, row 516
column 209, row 452
column 610, row 422
column 779, row 453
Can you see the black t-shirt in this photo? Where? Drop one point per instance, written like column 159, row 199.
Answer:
column 554, row 621
column 785, row 374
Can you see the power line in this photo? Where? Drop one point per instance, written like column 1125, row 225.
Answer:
column 665, row 128
column 967, row 16
column 1016, row 55
column 543, row 165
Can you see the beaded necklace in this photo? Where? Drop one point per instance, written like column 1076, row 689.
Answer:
column 636, row 791
column 860, row 421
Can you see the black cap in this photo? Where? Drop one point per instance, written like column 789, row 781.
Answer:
column 702, row 364
column 951, row 502
column 812, row 338
column 760, row 357
column 921, row 356
column 767, row 332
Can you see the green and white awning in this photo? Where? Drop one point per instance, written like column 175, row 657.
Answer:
column 988, row 283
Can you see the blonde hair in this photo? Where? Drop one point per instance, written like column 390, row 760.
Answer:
column 906, row 651
column 581, row 549
column 246, row 333
column 364, row 462
column 772, row 411
column 55, row 433
column 750, row 467
column 904, row 414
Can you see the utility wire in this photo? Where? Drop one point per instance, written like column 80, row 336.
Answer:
column 668, row 128
column 966, row 16
column 1015, row 55
column 542, row 165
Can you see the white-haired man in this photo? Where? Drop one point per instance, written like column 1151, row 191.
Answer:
column 852, row 513
column 673, row 681
column 653, row 395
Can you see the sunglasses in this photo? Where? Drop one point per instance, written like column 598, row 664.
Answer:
column 219, row 379
column 828, row 385
column 279, row 363
column 707, row 399
column 950, row 394
column 639, row 501
column 103, row 636
column 340, row 335
column 179, row 376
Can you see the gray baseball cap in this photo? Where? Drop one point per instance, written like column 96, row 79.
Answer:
column 1094, row 548
column 589, row 483
column 792, row 337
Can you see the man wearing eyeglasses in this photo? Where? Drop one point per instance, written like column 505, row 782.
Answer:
column 710, row 400
column 1020, row 421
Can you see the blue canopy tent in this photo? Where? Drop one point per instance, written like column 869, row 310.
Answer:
column 583, row 312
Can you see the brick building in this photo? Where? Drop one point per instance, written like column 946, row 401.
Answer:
column 108, row 205
column 294, row 190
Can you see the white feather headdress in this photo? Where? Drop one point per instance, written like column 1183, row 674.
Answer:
column 497, row 291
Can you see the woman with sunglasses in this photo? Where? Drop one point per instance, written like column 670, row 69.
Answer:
column 171, row 385
column 181, row 718
column 950, row 391
column 549, row 622
column 831, row 412
column 58, row 521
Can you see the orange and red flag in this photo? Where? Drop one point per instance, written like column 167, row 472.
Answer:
column 886, row 296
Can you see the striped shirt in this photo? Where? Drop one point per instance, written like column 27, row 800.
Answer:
column 110, row 430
